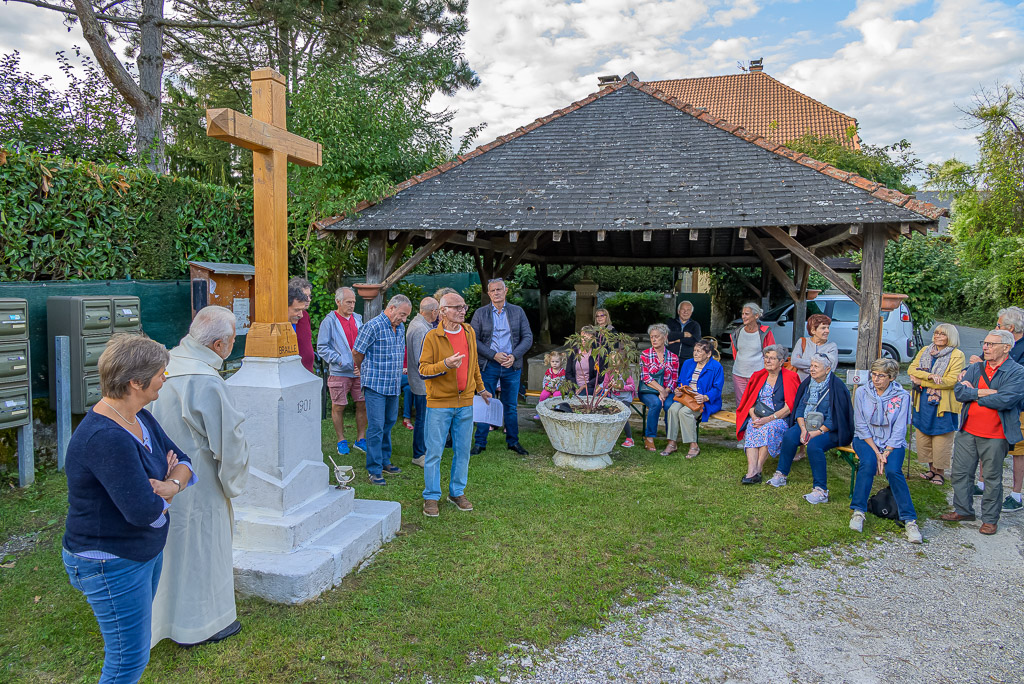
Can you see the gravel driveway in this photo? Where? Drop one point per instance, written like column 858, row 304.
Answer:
column 881, row 611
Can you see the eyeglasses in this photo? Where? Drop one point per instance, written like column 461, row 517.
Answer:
column 457, row 308
column 879, row 375
column 986, row 343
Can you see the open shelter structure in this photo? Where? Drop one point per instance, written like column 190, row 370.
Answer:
column 632, row 176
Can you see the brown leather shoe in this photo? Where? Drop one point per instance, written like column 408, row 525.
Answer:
column 649, row 444
column 461, row 502
column 953, row 516
column 987, row 528
column 430, row 508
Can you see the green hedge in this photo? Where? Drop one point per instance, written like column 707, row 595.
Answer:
column 61, row 220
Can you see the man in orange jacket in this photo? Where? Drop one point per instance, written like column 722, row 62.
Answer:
column 449, row 366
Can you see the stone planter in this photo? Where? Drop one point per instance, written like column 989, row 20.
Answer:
column 582, row 441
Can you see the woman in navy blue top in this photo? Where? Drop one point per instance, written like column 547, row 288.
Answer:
column 123, row 472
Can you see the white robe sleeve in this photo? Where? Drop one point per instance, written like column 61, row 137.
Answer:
column 210, row 413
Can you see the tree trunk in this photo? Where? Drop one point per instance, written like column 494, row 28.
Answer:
column 149, row 138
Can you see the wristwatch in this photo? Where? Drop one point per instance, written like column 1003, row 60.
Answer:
column 177, row 482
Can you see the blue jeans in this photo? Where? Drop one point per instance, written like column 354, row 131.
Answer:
column 509, row 377
column 120, row 592
column 439, row 422
column 419, row 433
column 654, row 406
column 893, row 473
column 381, row 414
column 406, row 397
column 816, row 449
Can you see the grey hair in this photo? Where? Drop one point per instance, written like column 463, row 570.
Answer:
column 428, row 304
column 888, row 366
column 342, row 290
column 1005, row 335
column 951, row 333
column 822, row 359
column 687, row 302
column 754, row 308
column 212, row 324
column 1013, row 316
column 658, row 327
column 397, row 301
column 497, row 280
column 296, row 294
column 129, row 358
column 300, row 283
column 441, row 292
column 779, row 350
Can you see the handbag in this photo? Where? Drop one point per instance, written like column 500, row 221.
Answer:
column 647, row 389
column 788, row 365
column 815, row 419
column 883, row 504
column 762, row 410
column 688, row 398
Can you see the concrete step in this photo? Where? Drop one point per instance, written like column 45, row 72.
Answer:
column 260, row 529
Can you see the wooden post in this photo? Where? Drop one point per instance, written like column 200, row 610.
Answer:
column 376, row 256
column 543, row 289
column 801, row 271
column 270, row 334
column 869, row 326
column 766, row 284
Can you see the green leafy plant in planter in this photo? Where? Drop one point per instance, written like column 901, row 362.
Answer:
column 614, row 355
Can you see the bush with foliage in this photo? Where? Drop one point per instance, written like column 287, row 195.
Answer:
column 614, row 355
column 633, row 312
column 925, row 269
column 62, row 220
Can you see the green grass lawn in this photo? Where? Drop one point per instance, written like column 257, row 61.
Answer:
column 546, row 553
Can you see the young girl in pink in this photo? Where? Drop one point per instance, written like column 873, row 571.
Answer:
column 554, row 376
column 624, row 393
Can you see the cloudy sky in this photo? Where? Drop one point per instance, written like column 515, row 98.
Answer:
column 900, row 67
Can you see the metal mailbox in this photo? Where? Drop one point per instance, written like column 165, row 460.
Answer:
column 14, row 406
column 127, row 317
column 14, row 362
column 13, row 319
column 96, row 315
column 92, row 349
column 91, row 392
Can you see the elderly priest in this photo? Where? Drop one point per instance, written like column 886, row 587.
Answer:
column 195, row 602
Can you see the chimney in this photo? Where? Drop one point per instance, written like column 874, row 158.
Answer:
column 603, row 81
column 756, row 65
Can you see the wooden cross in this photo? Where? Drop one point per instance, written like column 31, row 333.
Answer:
column 270, row 334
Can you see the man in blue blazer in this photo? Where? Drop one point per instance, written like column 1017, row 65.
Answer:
column 503, row 337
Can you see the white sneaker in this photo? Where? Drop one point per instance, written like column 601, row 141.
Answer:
column 913, row 532
column 857, row 522
column 817, row 496
column 778, row 480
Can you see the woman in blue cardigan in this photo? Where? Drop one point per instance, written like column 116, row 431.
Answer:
column 822, row 419
column 704, row 375
column 123, row 472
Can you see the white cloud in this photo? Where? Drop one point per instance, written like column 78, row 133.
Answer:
column 741, row 9
column 905, row 78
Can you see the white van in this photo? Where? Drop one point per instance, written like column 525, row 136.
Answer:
column 898, row 338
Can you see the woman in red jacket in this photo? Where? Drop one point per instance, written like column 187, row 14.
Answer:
column 761, row 414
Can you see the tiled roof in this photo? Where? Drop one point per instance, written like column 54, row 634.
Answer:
column 762, row 105
column 626, row 158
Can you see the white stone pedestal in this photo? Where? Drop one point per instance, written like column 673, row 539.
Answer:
column 296, row 535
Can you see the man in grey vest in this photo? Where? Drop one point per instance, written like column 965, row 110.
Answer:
column 414, row 334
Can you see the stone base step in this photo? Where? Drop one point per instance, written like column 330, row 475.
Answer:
column 260, row 529
column 304, row 573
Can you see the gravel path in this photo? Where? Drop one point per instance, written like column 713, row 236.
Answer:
column 880, row 611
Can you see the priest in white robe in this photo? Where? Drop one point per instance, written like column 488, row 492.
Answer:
column 195, row 602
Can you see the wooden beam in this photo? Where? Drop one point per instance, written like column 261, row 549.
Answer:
column 743, row 279
column 801, row 273
column 773, row 267
column 517, row 254
column 560, row 280
column 827, row 238
column 399, row 250
column 869, row 325
column 808, row 257
column 649, row 261
column 415, row 260
column 601, row 235
column 258, row 136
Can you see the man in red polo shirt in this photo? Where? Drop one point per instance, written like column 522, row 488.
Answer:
column 991, row 391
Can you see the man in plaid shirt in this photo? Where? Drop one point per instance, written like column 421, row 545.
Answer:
column 379, row 353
